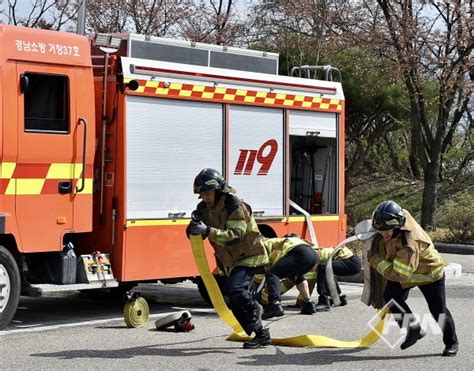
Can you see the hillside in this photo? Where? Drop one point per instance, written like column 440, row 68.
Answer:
column 454, row 217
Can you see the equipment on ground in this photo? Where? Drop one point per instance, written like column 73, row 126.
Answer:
column 136, row 310
column 181, row 321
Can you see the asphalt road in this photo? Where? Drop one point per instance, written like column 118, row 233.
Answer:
column 86, row 331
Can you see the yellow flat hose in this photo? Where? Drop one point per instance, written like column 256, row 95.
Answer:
column 239, row 335
column 136, row 312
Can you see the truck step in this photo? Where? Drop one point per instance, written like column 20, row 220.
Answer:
column 37, row 290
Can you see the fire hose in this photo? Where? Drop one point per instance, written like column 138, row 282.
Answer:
column 136, row 310
column 239, row 335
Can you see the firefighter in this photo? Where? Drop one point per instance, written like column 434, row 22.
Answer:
column 406, row 257
column 290, row 257
column 345, row 263
column 239, row 248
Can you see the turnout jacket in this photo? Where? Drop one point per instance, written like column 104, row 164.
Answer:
column 277, row 248
column 410, row 257
column 233, row 233
column 311, row 276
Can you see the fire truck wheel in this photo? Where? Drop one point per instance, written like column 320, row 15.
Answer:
column 203, row 291
column 10, row 286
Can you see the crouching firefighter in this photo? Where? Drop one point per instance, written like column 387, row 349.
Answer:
column 345, row 263
column 290, row 258
column 406, row 257
column 239, row 248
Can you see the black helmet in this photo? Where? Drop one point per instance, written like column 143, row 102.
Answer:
column 388, row 215
column 208, row 180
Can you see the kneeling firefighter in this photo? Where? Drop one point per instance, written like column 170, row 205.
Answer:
column 290, row 258
column 239, row 248
column 345, row 263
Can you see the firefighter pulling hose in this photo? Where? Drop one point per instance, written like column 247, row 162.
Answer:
column 239, row 335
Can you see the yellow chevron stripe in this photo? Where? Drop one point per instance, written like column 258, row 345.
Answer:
column 64, row 171
column 7, row 169
column 29, row 186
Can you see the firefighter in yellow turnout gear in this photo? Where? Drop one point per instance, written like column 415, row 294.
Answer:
column 290, row 257
column 345, row 263
column 406, row 257
column 239, row 248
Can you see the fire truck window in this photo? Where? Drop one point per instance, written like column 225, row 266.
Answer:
column 47, row 103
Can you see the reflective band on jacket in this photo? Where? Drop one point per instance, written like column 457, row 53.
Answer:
column 424, row 278
column 383, row 266
column 239, row 335
column 402, row 268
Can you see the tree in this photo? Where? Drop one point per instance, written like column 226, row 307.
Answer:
column 145, row 17
column 299, row 29
column 373, row 109
column 47, row 14
column 214, row 22
column 432, row 43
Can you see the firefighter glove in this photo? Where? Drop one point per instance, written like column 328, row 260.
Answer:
column 198, row 228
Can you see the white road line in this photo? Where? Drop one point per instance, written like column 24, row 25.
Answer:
column 40, row 327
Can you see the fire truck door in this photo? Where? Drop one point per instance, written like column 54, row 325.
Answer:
column 49, row 154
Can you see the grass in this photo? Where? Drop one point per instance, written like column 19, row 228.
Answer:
column 368, row 192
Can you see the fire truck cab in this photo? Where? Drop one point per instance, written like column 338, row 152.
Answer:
column 100, row 143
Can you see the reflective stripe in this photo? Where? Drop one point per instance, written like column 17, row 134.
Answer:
column 66, row 171
column 7, row 169
column 324, row 254
column 237, row 224
column 382, row 266
column 435, row 274
column 258, row 278
column 311, row 275
column 29, row 186
column 221, row 237
column 219, row 94
column 402, row 268
column 429, row 250
column 253, row 261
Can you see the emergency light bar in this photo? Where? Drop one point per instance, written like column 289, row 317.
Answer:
column 152, row 71
column 107, row 41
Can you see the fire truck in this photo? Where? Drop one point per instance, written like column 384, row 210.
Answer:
column 101, row 138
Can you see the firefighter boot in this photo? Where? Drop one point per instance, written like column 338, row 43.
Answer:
column 342, row 298
column 323, row 304
column 262, row 338
column 253, row 318
column 308, row 307
column 415, row 333
column 273, row 310
column 451, row 350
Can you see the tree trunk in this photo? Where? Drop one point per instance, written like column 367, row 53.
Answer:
column 414, row 148
column 430, row 195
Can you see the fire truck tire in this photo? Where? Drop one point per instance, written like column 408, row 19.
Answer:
column 10, row 287
column 203, row 291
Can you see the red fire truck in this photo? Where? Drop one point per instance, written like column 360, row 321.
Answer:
column 101, row 140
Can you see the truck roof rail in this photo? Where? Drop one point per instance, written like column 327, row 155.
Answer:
column 327, row 72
